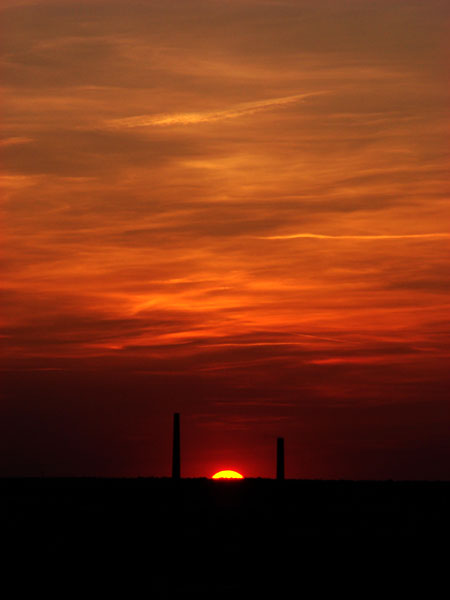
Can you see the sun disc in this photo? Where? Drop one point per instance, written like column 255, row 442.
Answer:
column 227, row 475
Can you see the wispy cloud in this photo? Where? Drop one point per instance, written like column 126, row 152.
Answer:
column 242, row 226
column 14, row 141
column 191, row 118
column 320, row 236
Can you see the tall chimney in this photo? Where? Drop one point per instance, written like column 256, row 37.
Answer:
column 280, row 459
column 176, row 447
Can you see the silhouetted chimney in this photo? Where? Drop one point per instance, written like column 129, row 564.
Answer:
column 280, row 458
column 176, row 447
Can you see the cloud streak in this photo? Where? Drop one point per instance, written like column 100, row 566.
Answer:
column 320, row 236
column 14, row 141
column 192, row 118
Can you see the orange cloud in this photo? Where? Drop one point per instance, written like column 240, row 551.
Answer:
column 151, row 160
column 241, row 110
column 320, row 236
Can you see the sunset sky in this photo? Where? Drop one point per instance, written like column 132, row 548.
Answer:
column 234, row 209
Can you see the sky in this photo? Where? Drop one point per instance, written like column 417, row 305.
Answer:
column 233, row 209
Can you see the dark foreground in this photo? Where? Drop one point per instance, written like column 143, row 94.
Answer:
column 202, row 537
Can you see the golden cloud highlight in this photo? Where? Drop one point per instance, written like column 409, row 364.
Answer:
column 320, row 236
column 191, row 118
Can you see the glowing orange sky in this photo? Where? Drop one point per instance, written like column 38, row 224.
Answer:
column 238, row 210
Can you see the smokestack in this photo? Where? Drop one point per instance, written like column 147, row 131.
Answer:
column 176, row 447
column 280, row 459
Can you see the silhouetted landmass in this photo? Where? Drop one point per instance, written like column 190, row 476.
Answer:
column 186, row 534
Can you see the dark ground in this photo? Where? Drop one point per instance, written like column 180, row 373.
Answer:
column 199, row 537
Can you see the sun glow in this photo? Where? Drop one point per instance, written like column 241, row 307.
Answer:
column 227, row 475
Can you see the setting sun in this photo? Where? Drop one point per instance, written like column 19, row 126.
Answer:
column 227, row 475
